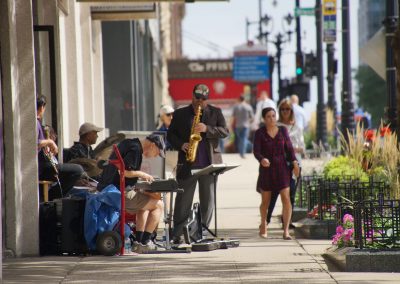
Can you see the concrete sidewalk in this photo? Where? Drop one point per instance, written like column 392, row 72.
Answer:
column 256, row 260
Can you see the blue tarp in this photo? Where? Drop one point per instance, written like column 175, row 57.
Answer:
column 101, row 213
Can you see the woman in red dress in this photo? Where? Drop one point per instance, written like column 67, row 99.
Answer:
column 271, row 145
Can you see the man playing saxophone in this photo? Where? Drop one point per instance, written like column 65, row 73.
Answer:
column 195, row 131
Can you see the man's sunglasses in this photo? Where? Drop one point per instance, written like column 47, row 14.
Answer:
column 169, row 114
column 200, row 96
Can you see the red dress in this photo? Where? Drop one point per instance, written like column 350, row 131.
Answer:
column 277, row 176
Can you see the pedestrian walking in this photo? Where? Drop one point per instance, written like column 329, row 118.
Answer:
column 299, row 112
column 272, row 149
column 287, row 120
column 243, row 116
column 263, row 102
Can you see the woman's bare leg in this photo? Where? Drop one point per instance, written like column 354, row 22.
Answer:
column 286, row 211
column 265, row 199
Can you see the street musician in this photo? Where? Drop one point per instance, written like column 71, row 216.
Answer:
column 195, row 131
column 147, row 207
column 64, row 175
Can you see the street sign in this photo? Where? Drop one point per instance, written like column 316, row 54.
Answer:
column 251, row 68
column 329, row 7
column 329, row 18
column 304, row 12
column 250, row 63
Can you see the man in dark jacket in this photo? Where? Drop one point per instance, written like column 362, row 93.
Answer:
column 87, row 137
column 212, row 127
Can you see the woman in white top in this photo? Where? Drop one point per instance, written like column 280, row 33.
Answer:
column 287, row 119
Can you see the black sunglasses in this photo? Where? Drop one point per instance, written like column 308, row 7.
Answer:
column 168, row 114
column 285, row 109
column 200, row 96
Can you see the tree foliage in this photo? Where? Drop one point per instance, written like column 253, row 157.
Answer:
column 371, row 93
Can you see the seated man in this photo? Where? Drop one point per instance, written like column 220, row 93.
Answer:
column 87, row 137
column 49, row 168
column 148, row 210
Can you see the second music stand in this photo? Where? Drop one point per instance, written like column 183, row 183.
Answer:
column 214, row 170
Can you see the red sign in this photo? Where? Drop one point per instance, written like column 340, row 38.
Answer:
column 220, row 88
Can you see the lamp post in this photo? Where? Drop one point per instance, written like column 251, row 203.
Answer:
column 390, row 25
column 347, row 101
column 321, row 114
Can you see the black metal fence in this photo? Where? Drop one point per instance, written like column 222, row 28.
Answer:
column 331, row 198
column 377, row 224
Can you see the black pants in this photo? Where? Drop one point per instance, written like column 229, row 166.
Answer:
column 275, row 195
column 68, row 175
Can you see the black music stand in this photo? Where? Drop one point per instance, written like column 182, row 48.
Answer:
column 214, row 170
column 163, row 187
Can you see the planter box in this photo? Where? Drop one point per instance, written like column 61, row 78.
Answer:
column 373, row 261
column 357, row 260
column 298, row 214
column 316, row 229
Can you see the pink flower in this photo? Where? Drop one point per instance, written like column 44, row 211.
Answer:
column 339, row 229
column 347, row 218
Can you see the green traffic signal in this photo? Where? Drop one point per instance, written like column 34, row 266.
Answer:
column 299, row 71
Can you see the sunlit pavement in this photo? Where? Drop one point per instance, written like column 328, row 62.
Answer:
column 256, row 260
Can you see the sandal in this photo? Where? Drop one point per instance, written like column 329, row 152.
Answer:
column 287, row 238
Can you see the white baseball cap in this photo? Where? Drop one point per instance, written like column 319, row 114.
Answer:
column 166, row 109
column 88, row 127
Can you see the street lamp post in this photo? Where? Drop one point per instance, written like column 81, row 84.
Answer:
column 321, row 114
column 391, row 24
column 347, row 101
column 330, row 50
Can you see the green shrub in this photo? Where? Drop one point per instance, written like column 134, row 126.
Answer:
column 344, row 166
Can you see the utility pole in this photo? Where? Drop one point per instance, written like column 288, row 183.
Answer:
column 347, row 100
column 321, row 115
column 298, row 43
column 391, row 25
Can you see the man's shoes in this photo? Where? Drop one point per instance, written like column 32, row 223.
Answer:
column 176, row 241
column 145, row 248
column 135, row 246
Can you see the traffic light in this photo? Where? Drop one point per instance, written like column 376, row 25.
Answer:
column 299, row 65
column 310, row 66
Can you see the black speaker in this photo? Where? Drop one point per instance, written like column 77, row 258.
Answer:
column 49, row 229
column 72, row 232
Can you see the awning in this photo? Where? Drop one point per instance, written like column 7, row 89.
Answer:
column 123, row 12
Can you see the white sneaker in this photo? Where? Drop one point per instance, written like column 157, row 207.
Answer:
column 148, row 247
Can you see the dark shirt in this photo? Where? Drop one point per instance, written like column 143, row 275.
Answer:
column 277, row 175
column 80, row 150
column 131, row 152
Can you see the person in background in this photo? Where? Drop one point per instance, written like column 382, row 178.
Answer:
column 166, row 114
column 299, row 113
column 212, row 127
column 287, row 120
column 272, row 149
column 263, row 102
column 243, row 116
column 147, row 208
column 49, row 168
column 87, row 137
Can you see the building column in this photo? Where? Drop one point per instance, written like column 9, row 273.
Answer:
column 21, row 169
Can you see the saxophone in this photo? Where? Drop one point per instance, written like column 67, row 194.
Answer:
column 49, row 155
column 195, row 138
